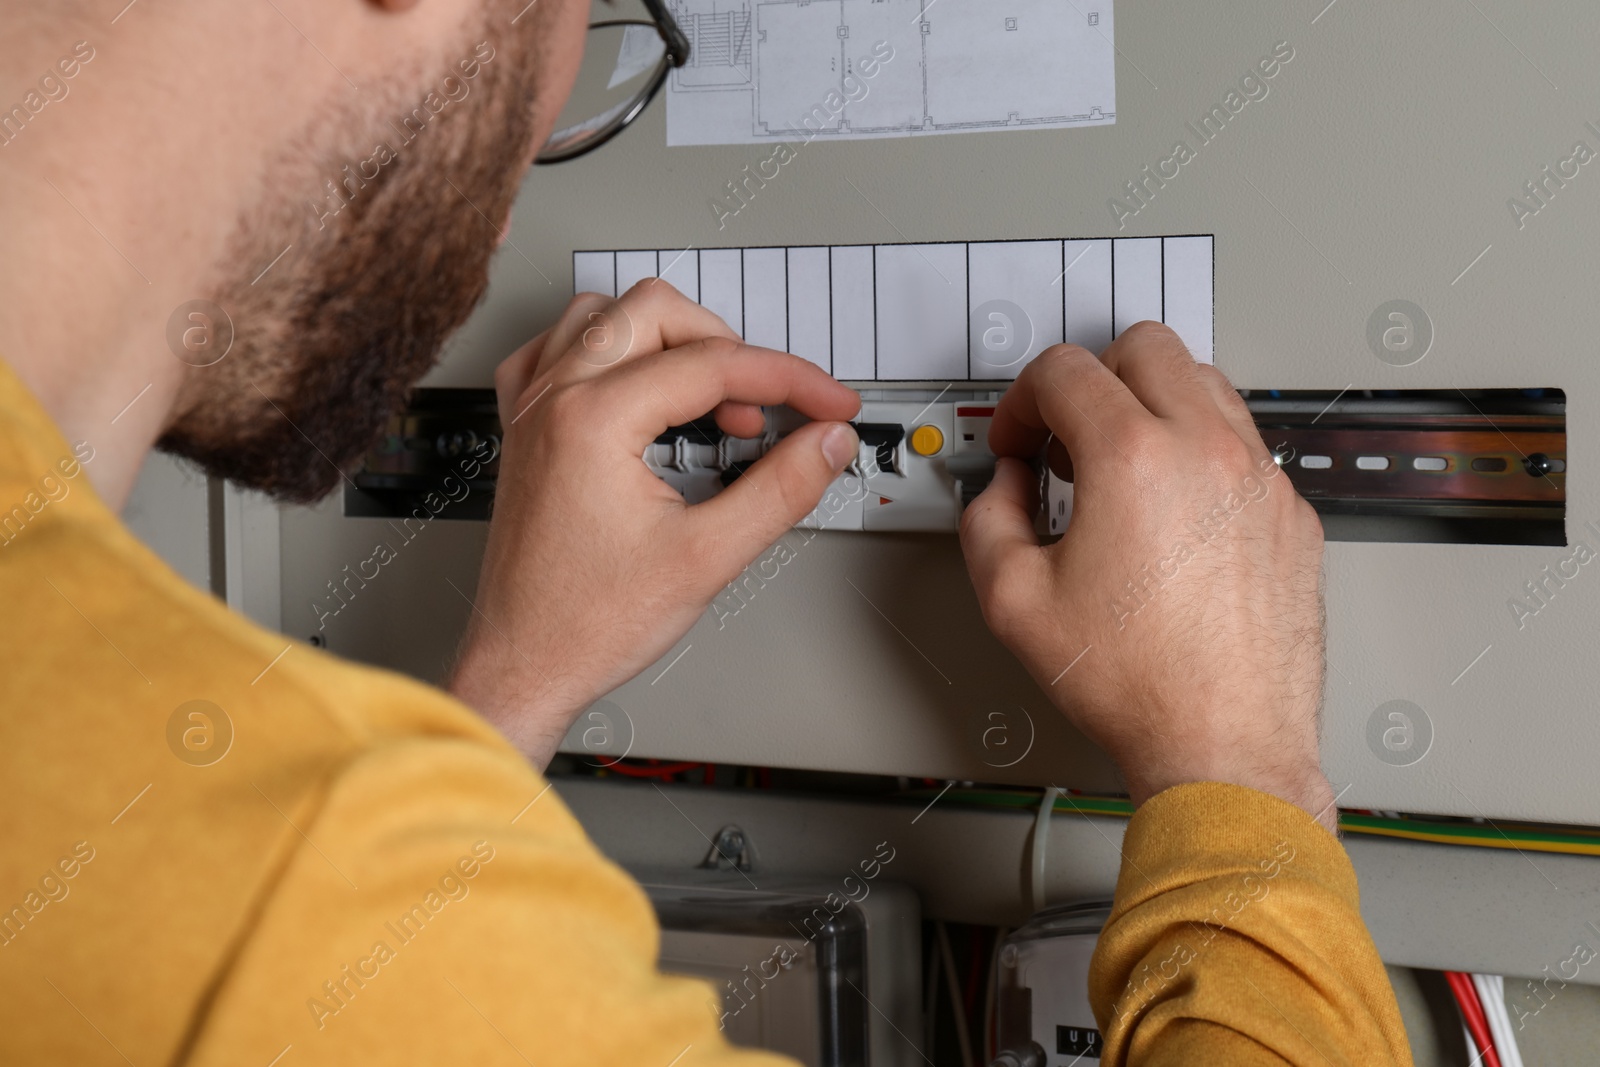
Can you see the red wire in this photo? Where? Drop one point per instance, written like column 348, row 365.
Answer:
column 994, row 1023
column 1472, row 1012
column 969, row 995
column 663, row 771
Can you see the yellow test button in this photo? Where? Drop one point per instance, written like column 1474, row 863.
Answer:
column 927, row 440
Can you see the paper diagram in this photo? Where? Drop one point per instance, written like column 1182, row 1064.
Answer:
column 952, row 311
column 778, row 70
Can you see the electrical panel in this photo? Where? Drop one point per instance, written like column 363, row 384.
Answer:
column 1415, row 349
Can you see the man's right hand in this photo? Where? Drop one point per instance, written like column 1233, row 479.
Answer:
column 1178, row 622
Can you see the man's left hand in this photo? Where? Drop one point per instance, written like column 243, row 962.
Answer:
column 595, row 567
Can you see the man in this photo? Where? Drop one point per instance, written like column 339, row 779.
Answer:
column 374, row 874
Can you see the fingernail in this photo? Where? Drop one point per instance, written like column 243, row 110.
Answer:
column 839, row 445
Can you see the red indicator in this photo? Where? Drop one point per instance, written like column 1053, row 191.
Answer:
column 975, row 413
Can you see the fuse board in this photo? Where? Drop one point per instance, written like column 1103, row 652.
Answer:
column 1360, row 240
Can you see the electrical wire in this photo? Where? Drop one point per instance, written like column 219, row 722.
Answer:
column 1575, row 841
column 953, row 986
column 1472, row 1014
column 1492, row 998
column 662, row 771
column 1525, row 837
column 969, row 992
column 1492, row 995
column 1041, row 842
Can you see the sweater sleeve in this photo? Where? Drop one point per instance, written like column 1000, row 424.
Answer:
column 1236, row 937
column 443, row 907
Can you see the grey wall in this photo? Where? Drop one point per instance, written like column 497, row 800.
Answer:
column 167, row 511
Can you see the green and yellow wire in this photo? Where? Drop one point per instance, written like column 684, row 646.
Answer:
column 1528, row 837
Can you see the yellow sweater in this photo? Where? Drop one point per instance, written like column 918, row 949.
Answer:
column 324, row 863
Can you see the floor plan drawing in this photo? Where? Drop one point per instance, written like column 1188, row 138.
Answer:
column 780, row 70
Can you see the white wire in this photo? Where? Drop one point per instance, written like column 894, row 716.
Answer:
column 1041, row 842
column 1493, row 1009
column 1510, row 1052
column 953, row 984
column 1492, row 992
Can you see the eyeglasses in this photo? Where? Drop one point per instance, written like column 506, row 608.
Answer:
column 611, row 92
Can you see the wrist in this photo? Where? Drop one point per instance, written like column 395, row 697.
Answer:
column 514, row 696
column 1304, row 786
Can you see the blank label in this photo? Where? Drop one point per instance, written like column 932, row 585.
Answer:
column 808, row 305
column 947, row 312
column 1188, row 288
column 922, row 312
column 634, row 267
column 594, row 272
column 1086, row 293
column 682, row 269
column 1136, row 281
column 766, row 297
column 722, row 285
column 1005, row 276
column 854, row 314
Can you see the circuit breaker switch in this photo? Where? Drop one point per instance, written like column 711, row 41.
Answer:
column 927, row 440
column 884, row 438
column 701, row 431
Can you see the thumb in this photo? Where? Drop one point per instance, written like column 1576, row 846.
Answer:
column 997, row 528
column 776, row 492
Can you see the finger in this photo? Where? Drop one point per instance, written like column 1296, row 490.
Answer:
column 575, row 321
column 1159, row 370
column 774, row 494
column 740, row 420
column 1068, row 392
column 651, row 317
column 997, row 534
column 684, row 383
column 1233, row 408
column 664, row 318
column 512, row 376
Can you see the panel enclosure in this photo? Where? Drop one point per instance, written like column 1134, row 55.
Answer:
column 1368, row 168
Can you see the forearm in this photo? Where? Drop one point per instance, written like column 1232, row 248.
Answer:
column 532, row 707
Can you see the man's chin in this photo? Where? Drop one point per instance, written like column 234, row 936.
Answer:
column 284, row 466
column 329, row 343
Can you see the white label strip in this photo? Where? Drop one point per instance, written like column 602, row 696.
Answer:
column 952, row 311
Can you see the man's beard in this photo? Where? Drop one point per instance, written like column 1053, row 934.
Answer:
column 328, row 342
